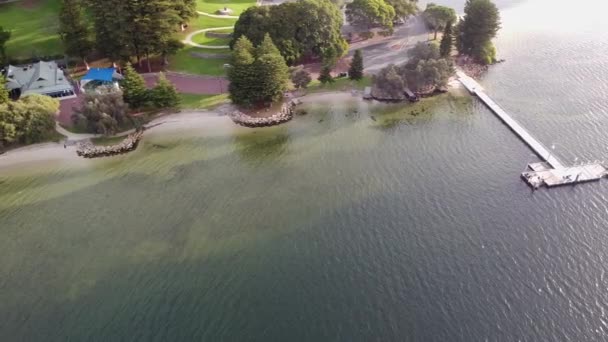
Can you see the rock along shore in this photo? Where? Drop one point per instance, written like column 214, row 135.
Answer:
column 285, row 114
column 88, row 150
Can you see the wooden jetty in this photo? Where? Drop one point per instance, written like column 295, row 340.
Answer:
column 552, row 172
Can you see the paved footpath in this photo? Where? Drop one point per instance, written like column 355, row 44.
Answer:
column 191, row 84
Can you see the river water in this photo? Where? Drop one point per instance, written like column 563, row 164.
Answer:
column 336, row 226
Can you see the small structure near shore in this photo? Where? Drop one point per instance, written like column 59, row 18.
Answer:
column 88, row 150
column 283, row 115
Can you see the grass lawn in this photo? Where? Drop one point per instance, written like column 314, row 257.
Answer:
column 184, row 62
column 213, row 41
column 340, row 84
column 211, row 6
column 203, row 22
column 34, row 30
column 196, row 101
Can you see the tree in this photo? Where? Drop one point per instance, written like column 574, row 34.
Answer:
column 437, row 16
column 74, row 29
column 241, row 73
column 135, row 28
column 479, row 26
column 5, row 35
column 170, row 48
column 355, row 72
column 423, row 51
column 403, row 8
column 111, row 38
column 29, row 120
column 134, row 89
column 4, row 98
column 306, row 28
column 445, row 47
column 388, row 84
column 370, row 13
column 164, row 94
column 325, row 75
column 186, row 10
column 486, row 54
column 300, row 78
column 101, row 112
column 257, row 75
column 429, row 74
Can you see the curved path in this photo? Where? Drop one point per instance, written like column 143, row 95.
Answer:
column 221, row 16
column 188, row 39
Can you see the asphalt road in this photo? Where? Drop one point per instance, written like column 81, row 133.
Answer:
column 393, row 49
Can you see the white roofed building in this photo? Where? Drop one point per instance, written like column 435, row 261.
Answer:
column 44, row 78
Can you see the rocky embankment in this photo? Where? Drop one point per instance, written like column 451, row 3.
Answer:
column 285, row 114
column 88, row 150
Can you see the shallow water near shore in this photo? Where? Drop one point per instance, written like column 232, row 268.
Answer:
column 355, row 222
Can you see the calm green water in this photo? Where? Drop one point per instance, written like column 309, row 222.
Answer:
column 333, row 227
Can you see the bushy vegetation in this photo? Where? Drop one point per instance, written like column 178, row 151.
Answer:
column 300, row 78
column 307, row 28
column 29, row 120
column 424, row 72
column 102, row 112
column 258, row 76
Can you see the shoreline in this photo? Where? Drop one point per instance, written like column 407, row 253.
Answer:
column 163, row 125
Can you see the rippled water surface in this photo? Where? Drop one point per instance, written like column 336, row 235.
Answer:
column 355, row 222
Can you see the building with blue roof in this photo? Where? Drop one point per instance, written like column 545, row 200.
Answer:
column 96, row 77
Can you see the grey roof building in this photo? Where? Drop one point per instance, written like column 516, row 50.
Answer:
column 44, row 78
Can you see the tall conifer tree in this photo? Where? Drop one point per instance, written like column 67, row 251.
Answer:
column 74, row 29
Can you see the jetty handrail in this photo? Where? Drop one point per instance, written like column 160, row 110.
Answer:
column 543, row 152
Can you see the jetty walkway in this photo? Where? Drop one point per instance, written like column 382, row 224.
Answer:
column 552, row 172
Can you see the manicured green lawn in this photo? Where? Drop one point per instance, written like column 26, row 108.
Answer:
column 196, row 101
column 213, row 41
column 184, row 62
column 34, row 30
column 203, row 22
column 211, row 6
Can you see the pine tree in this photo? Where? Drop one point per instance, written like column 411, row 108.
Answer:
column 3, row 91
column 272, row 72
column 186, row 9
column 241, row 73
column 476, row 30
column 257, row 75
column 134, row 90
column 164, row 94
column 5, row 35
column 325, row 75
column 74, row 29
column 355, row 72
column 111, row 39
column 445, row 48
